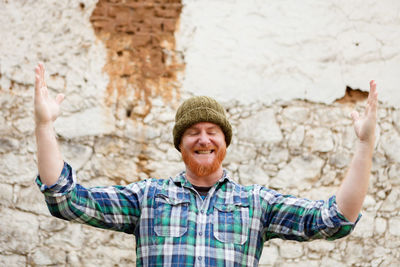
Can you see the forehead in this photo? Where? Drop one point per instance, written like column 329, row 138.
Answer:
column 204, row 125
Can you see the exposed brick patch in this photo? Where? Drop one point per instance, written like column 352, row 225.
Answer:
column 139, row 37
column 352, row 96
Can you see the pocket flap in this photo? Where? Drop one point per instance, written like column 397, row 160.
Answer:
column 229, row 207
column 172, row 200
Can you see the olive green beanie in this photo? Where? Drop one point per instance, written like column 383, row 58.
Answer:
column 200, row 109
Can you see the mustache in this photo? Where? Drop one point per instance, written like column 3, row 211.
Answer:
column 209, row 147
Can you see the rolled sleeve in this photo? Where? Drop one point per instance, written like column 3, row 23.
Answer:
column 333, row 218
column 110, row 207
column 64, row 185
column 301, row 219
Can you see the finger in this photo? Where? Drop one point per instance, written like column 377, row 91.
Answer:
column 374, row 95
column 59, row 98
column 45, row 92
column 43, row 85
column 372, row 85
column 42, row 71
column 372, row 90
column 37, row 86
column 374, row 103
column 37, row 76
column 355, row 115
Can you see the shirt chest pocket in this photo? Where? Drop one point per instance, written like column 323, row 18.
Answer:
column 231, row 223
column 170, row 216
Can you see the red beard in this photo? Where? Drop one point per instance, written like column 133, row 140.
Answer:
column 201, row 169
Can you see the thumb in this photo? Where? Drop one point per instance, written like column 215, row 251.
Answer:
column 59, row 98
column 355, row 115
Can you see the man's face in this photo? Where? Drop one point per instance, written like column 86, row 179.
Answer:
column 203, row 148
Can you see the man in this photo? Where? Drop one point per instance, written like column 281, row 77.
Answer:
column 201, row 217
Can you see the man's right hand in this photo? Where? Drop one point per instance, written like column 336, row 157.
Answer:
column 46, row 108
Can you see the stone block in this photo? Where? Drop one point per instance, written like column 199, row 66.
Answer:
column 269, row 256
column 365, row 227
column 93, row 121
column 47, row 256
column 302, row 263
column 260, row 128
column 354, row 253
column 392, row 202
column 69, row 238
column 100, row 256
column 240, row 153
column 32, row 200
column 390, row 142
column 8, row 144
column 328, row 262
column 114, row 167
column 75, row 154
column 291, row 250
column 369, row 203
column 296, row 137
column 319, row 139
column 160, row 170
column 20, row 236
column 52, row 224
column 321, row 246
column 251, row 174
column 278, row 155
column 19, row 169
column 380, row 226
column 13, row 260
column 25, row 125
column 73, row 258
column 394, row 174
column 396, row 119
column 300, row 172
column 6, row 194
column 296, row 114
column 394, row 226
column 340, row 159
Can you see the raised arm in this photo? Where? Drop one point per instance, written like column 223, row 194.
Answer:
column 353, row 189
column 50, row 160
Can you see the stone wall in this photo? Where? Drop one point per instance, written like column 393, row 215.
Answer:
column 117, row 120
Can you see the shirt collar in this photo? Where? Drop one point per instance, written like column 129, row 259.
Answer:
column 180, row 179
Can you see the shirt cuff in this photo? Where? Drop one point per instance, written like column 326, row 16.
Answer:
column 345, row 221
column 337, row 220
column 65, row 183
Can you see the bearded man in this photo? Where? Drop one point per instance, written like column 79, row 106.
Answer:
column 200, row 217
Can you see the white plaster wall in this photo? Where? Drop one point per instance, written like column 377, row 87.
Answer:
column 265, row 50
column 246, row 51
column 59, row 34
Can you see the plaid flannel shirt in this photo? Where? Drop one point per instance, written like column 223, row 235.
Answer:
column 174, row 226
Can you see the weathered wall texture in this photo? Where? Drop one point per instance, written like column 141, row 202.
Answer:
column 140, row 43
column 290, row 50
column 125, row 65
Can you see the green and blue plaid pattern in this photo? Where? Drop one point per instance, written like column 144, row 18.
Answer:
column 174, row 226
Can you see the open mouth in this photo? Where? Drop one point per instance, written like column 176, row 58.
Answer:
column 202, row 152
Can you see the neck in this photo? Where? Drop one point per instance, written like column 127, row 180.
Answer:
column 208, row 180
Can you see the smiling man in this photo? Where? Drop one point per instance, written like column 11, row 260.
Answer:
column 200, row 217
column 202, row 133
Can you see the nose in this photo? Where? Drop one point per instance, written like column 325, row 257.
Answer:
column 204, row 139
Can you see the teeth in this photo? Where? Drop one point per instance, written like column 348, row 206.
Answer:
column 204, row 151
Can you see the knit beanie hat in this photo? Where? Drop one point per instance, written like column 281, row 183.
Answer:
column 200, row 109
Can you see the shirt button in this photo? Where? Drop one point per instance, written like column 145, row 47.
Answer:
column 200, row 234
column 199, row 258
column 202, row 211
